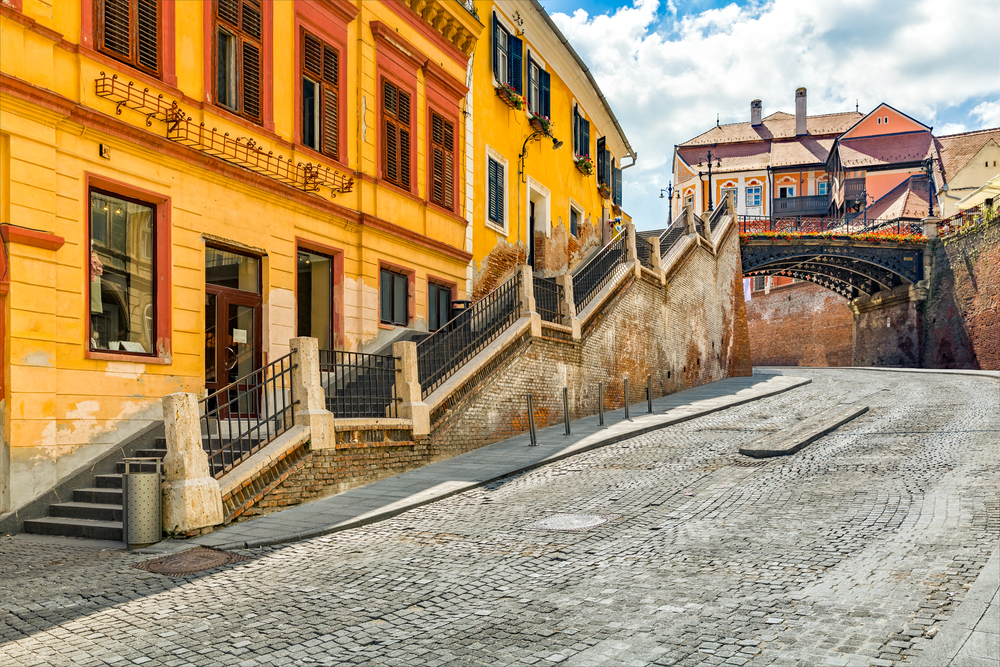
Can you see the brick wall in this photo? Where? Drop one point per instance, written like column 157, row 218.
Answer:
column 962, row 317
column 800, row 324
column 889, row 336
column 689, row 333
column 361, row 456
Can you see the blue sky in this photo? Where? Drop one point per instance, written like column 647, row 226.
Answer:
column 669, row 66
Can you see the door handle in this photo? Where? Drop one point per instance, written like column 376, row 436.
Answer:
column 235, row 358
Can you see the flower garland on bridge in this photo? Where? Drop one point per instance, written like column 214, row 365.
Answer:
column 867, row 237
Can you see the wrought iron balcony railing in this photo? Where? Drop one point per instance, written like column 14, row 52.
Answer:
column 809, row 205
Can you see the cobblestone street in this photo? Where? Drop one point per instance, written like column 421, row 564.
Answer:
column 855, row 551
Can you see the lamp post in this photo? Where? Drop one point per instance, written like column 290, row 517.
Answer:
column 928, row 165
column 708, row 157
column 670, row 205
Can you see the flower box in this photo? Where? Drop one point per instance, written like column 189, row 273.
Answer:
column 584, row 164
column 605, row 190
column 510, row 96
column 541, row 124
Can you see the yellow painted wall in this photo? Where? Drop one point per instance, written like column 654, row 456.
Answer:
column 983, row 166
column 64, row 409
column 505, row 129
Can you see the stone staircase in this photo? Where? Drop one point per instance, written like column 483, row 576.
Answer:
column 95, row 512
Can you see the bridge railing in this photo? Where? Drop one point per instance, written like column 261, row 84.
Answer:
column 759, row 224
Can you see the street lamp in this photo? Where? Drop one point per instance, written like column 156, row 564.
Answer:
column 928, row 165
column 670, row 197
column 708, row 157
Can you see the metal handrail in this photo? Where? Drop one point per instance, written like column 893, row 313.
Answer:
column 599, row 271
column 754, row 224
column 670, row 235
column 359, row 385
column 549, row 297
column 450, row 347
column 247, row 414
column 970, row 217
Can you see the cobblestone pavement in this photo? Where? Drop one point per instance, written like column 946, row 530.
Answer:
column 855, row 551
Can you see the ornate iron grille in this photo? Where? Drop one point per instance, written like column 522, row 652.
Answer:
column 447, row 349
column 358, row 385
column 549, row 296
column 247, row 414
column 599, row 271
column 757, row 224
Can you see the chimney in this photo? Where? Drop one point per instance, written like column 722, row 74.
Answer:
column 755, row 111
column 800, row 112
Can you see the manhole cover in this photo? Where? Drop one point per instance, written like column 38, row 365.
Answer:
column 571, row 521
column 189, row 562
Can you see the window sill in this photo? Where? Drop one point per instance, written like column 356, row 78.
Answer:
column 134, row 357
column 319, row 156
column 390, row 327
column 493, row 226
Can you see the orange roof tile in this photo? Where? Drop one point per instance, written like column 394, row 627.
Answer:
column 779, row 125
column 908, row 200
column 956, row 150
column 885, row 149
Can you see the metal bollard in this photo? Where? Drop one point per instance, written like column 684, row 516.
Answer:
column 625, row 392
column 141, row 523
column 649, row 393
column 566, row 409
column 531, row 422
column 600, row 402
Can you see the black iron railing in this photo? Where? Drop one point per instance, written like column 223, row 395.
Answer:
column 718, row 214
column 549, row 297
column 981, row 216
column 242, row 417
column 671, row 234
column 447, row 349
column 358, row 385
column 642, row 251
column 756, row 224
column 599, row 271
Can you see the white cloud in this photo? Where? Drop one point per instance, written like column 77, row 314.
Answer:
column 988, row 113
column 667, row 78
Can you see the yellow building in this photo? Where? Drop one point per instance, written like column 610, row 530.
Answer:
column 541, row 210
column 186, row 185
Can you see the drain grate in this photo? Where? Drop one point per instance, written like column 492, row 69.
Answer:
column 189, row 562
column 571, row 521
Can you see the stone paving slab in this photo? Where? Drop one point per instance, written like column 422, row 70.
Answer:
column 787, row 442
column 392, row 496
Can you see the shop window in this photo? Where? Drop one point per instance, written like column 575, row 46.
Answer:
column 229, row 269
column 442, row 162
column 129, row 31
column 396, row 140
column 320, row 96
column 314, row 298
column 122, row 274
column 238, row 50
column 438, row 306
column 393, row 298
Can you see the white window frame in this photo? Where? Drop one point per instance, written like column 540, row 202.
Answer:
column 545, row 195
column 789, row 191
column 505, row 70
column 574, row 205
column 822, row 188
column 755, row 191
column 500, row 159
column 736, row 193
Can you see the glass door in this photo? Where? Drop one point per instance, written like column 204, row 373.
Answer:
column 232, row 343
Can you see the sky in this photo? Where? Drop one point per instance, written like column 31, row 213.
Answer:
column 671, row 67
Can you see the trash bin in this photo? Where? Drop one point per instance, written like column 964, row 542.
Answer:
column 141, row 516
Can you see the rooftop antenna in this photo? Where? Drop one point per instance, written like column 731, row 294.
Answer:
column 717, row 120
column 856, row 105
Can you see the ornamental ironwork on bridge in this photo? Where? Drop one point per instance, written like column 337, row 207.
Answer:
column 850, row 268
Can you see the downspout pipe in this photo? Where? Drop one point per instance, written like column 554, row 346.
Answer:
column 590, row 77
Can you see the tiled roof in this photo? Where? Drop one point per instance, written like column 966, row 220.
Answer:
column 803, row 150
column 734, row 157
column 908, row 200
column 779, row 125
column 957, row 149
column 885, row 149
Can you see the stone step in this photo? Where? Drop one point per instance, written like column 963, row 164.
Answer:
column 151, row 453
column 97, row 495
column 90, row 511
column 94, row 530
column 108, row 481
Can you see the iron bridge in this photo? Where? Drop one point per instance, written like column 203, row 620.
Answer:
column 849, row 268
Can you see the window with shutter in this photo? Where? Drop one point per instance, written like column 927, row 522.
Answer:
column 546, row 86
column 584, row 137
column 320, row 96
column 396, row 142
column 534, row 83
column 129, row 31
column 501, row 68
column 515, row 47
column 603, row 162
column 393, row 298
column 239, row 50
column 495, row 211
column 442, row 162
column 617, row 184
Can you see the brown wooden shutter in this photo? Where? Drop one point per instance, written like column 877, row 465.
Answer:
column 250, row 80
column 229, row 11
column 396, row 112
column 404, row 139
column 443, row 162
column 331, row 101
column 312, row 59
column 242, row 18
column 128, row 30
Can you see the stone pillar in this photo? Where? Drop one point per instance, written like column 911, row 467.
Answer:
column 930, row 224
column 408, row 389
column 655, row 260
column 689, row 220
column 632, row 255
column 528, row 299
column 192, row 498
column 569, row 305
column 307, row 389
